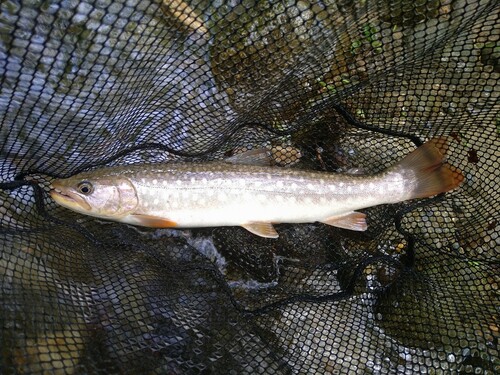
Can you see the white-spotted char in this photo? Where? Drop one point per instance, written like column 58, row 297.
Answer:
column 234, row 193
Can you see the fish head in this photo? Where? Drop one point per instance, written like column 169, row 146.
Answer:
column 109, row 197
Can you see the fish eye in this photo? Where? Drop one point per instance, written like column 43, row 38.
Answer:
column 85, row 187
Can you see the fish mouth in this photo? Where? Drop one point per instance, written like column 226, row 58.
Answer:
column 68, row 199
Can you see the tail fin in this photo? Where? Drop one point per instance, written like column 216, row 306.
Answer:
column 430, row 174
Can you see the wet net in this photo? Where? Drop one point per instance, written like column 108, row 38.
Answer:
column 326, row 85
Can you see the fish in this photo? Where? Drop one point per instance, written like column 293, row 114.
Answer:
column 244, row 190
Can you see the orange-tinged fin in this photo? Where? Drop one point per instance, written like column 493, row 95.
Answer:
column 261, row 229
column 432, row 175
column 353, row 220
column 153, row 221
column 184, row 14
column 258, row 156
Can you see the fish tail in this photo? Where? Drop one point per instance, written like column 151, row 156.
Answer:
column 430, row 174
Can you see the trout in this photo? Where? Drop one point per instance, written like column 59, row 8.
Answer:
column 235, row 193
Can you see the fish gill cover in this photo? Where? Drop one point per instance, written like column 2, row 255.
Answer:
column 338, row 86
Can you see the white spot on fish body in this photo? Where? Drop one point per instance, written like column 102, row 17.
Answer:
column 143, row 180
column 146, row 204
column 156, row 201
column 333, row 188
column 193, row 180
column 164, row 182
column 155, row 181
column 294, row 186
column 310, row 186
column 178, row 182
column 279, row 184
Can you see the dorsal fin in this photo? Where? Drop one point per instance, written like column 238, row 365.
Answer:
column 258, row 156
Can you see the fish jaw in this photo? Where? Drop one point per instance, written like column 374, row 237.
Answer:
column 71, row 201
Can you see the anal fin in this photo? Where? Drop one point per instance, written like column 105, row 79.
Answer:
column 151, row 221
column 261, row 229
column 353, row 220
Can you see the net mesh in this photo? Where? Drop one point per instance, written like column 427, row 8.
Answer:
column 337, row 86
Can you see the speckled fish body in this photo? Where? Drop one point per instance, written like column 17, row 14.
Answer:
column 227, row 194
column 221, row 194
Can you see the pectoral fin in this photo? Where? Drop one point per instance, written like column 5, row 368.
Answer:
column 151, row 221
column 353, row 220
column 261, row 229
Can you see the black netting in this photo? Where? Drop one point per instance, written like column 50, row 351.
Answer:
column 332, row 86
